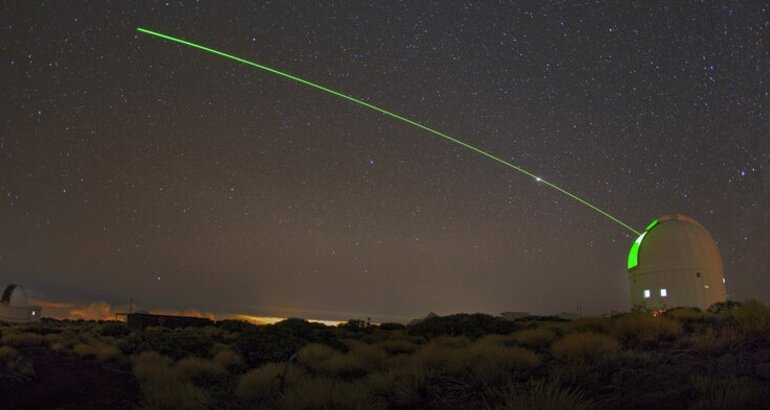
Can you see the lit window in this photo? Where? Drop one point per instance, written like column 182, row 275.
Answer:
column 646, row 293
column 706, row 286
column 663, row 293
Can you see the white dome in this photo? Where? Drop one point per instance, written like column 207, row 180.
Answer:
column 676, row 262
column 14, row 295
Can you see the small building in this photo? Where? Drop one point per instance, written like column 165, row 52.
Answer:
column 675, row 262
column 141, row 321
column 15, row 307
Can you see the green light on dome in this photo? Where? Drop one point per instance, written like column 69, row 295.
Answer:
column 652, row 225
column 633, row 255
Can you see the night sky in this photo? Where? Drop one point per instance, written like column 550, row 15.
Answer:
column 135, row 167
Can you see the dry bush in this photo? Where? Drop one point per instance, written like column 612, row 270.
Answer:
column 584, row 347
column 164, row 387
column 534, row 338
column 58, row 347
column 22, row 339
column 437, row 357
column 713, row 341
column 451, row 341
column 199, row 370
column 101, row 351
column 538, row 395
column 361, row 359
column 751, row 318
column 267, row 380
column 490, row 360
column 644, row 329
column 373, row 355
column 7, row 352
column 398, row 346
column 345, row 365
column 313, row 354
column 150, row 364
column 687, row 314
column 409, row 386
column 726, row 393
column 229, row 359
column 327, row 393
column 590, row 324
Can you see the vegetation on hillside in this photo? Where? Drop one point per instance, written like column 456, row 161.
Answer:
column 684, row 358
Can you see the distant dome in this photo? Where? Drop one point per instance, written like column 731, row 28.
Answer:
column 14, row 295
column 676, row 262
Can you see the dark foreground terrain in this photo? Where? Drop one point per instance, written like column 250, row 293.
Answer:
column 683, row 358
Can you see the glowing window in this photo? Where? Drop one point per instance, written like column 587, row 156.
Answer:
column 706, row 286
column 663, row 293
column 646, row 293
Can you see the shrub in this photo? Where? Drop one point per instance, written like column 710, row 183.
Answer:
column 436, row 357
column 475, row 325
column 535, row 338
column 391, row 326
column 713, row 341
column 644, row 329
column 312, row 355
column 200, row 371
column 228, row 359
column 751, row 317
column 398, row 346
column 723, row 307
column 268, row 380
column 176, row 343
column 280, row 341
column 326, row 393
column 101, row 351
column 236, row 326
column 685, row 314
column 345, row 365
column 7, row 352
column 726, row 393
column 491, row 362
column 163, row 387
column 539, row 395
column 115, row 329
column 22, row 339
column 584, row 347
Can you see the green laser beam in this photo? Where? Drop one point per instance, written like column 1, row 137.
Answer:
column 393, row 115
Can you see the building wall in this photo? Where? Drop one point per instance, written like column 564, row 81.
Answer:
column 683, row 288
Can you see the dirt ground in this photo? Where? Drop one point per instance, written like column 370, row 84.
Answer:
column 64, row 381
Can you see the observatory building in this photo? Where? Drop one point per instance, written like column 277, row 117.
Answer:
column 14, row 306
column 675, row 262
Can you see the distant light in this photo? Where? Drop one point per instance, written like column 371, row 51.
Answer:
column 646, row 293
column 707, row 286
column 538, row 179
column 723, row 280
column 663, row 293
column 34, row 313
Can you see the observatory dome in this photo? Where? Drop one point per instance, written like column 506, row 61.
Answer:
column 14, row 295
column 14, row 306
column 675, row 262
